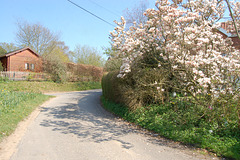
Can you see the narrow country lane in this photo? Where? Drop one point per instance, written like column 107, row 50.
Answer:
column 74, row 126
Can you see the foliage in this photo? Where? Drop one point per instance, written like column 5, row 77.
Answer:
column 8, row 47
column 55, row 61
column 53, row 65
column 19, row 98
column 81, row 72
column 114, row 60
column 14, row 107
column 114, row 88
column 113, row 64
column 1, row 66
column 184, row 72
column 88, row 85
column 109, row 51
column 47, row 44
column 46, row 86
column 184, row 121
column 61, row 51
column 137, row 89
column 2, row 51
column 88, row 55
column 185, row 44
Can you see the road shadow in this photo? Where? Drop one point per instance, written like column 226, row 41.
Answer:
column 84, row 117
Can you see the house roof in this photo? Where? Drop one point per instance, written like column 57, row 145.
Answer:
column 18, row 51
column 230, row 35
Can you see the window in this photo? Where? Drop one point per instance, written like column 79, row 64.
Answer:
column 32, row 67
column 26, row 66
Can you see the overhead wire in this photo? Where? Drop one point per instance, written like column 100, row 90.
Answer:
column 112, row 12
column 91, row 13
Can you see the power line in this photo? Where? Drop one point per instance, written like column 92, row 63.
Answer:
column 90, row 13
column 115, row 13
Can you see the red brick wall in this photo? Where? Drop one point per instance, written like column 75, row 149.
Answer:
column 17, row 61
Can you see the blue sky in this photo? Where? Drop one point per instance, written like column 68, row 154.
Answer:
column 75, row 25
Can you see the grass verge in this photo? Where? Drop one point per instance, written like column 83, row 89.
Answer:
column 14, row 107
column 19, row 98
column 46, row 86
column 181, row 126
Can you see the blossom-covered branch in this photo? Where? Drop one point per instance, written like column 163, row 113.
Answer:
column 183, row 41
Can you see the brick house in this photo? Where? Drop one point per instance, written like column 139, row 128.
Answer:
column 25, row 60
column 227, row 30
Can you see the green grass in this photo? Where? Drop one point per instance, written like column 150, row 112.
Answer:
column 19, row 98
column 45, row 86
column 14, row 107
column 184, row 123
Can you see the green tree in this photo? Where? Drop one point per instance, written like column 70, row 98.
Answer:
column 57, row 69
column 2, row 51
column 61, row 51
column 114, row 61
column 88, row 55
column 8, row 47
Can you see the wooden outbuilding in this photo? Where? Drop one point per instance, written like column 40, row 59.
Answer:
column 24, row 60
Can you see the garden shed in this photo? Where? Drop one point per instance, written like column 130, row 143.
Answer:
column 24, row 59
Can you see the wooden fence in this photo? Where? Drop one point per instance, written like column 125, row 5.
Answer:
column 21, row 76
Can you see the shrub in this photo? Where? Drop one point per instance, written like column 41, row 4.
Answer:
column 56, row 68
column 138, row 88
column 184, row 43
column 1, row 67
column 82, row 72
column 113, row 64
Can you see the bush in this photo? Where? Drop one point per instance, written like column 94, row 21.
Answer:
column 1, row 67
column 138, row 88
column 113, row 64
column 56, row 68
column 111, row 87
column 82, row 72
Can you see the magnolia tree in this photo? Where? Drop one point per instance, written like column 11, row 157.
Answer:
column 184, row 41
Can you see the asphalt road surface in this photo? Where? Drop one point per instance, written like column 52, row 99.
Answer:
column 74, row 126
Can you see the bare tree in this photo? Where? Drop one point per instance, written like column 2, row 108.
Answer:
column 36, row 36
column 135, row 14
